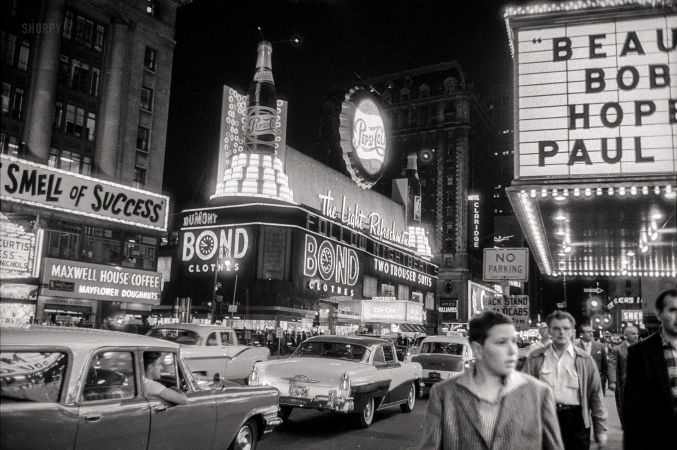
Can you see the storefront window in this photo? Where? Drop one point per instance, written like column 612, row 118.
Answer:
column 387, row 290
column 402, row 292
column 140, row 256
column 102, row 250
column 62, row 244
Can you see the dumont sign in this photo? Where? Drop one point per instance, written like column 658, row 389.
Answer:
column 75, row 279
column 33, row 184
column 598, row 98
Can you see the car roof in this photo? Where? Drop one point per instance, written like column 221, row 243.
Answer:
column 362, row 340
column 196, row 327
column 76, row 338
column 451, row 339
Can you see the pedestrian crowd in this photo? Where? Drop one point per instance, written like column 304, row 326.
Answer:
column 556, row 400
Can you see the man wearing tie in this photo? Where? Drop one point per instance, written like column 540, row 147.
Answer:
column 596, row 350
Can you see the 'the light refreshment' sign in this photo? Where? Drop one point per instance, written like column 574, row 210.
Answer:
column 502, row 264
column 33, row 184
column 76, row 279
column 598, row 98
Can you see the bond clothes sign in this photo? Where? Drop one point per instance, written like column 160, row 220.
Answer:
column 598, row 98
column 363, row 137
column 332, row 267
column 76, row 279
column 33, row 184
column 223, row 249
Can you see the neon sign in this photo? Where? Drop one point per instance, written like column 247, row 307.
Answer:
column 475, row 219
column 231, row 244
column 336, row 263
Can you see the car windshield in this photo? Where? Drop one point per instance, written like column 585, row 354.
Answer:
column 334, row 350
column 184, row 337
column 32, row 376
column 446, row 348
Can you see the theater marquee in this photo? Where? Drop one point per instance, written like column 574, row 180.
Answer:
column 597, row 99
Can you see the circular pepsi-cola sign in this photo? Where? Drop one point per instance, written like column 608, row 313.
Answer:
column 363, row 137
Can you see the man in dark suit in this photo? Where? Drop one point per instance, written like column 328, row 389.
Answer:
column 618, row 359
column 650, row 400
column 595, row 349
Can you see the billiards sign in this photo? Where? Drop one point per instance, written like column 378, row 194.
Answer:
column 363, row 137
column 329, row 266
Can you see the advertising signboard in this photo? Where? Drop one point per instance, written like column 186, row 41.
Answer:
column 597, row 99
column 18, row 252
column 363, row 137
column 28, row 183
column 479, row 298
column 223, row 249
column 506, row 264
column 330, row 267
column 76, row 279
column 375, row 311
column 514, row 306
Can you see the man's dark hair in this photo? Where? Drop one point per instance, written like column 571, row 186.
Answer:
column 149, row 358
column 584, row 325
column 660, row 301
column 478, row 327
column 558, row 314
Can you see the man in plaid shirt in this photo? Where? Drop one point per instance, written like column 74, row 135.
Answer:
column 650, row 405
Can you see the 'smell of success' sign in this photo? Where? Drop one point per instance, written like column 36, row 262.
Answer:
column 598, row 98
column 37, row 185
column 99, row 282
column 502, row 264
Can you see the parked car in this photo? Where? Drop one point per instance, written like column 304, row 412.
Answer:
column 212, row 349
column 343, row 374
column 71, row 388
column 443, row 357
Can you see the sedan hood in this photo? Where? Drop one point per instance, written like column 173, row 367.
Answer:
column 435, row 362
column 311, row 371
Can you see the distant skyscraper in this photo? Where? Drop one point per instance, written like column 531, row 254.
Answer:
column 434, row 112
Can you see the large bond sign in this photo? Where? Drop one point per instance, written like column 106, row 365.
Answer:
column 597, row 99
column 506, row 264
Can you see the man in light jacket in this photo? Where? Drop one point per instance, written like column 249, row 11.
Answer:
column 492, row 406
column 574, row 378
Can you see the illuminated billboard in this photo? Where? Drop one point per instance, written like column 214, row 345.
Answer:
column 597, row 99
column 363, row 137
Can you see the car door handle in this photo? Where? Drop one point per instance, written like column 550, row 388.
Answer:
column 160, row 408
column 92, row 417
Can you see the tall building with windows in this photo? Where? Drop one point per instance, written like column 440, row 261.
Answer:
column 85, row 97
column 434, row 112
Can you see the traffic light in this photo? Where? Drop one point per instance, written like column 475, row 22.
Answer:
column 592, row 306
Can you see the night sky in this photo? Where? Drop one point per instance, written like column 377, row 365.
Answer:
column 216, row 44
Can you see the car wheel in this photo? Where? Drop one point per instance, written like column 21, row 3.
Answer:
column 411, row 400
column 365, row 417
column 285, row 412
column 246, row 437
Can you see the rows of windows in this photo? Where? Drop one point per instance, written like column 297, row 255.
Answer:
column 13, row 100
column 84, row 31
column 70, row 161
column 75, row 121
column 14, row 51
column 79, row 75
column 370, row 290
column 9, row 145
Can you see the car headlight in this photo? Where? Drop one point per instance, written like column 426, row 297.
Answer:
column 344, row 386
column 254, row 377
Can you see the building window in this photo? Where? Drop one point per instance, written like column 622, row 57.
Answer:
column 424, row 91
column 8, row 44
column 58, row 114
column 429, row 300
column 147, row 98
column 80, row 26
column 151, row 8
column 62, row 244
column 96, row 77
column 98, row 38
column 402, row 292
column 70, row 161
column 139, row 177
column 17, row 109
column 75, row 118
column 68, row 25
column 405, row 94
column 387, row 290
column 79, row 76
column 369, row 287
column 6, row 89
column 91, row 126
column 13, row 146
column 143, row 139
column 24, row 54
column 150, row 61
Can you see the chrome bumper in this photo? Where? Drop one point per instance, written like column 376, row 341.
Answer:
column 331, row 402
column 271, row 419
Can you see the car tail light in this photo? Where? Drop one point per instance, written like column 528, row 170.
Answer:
column 344, row 386
column 254, row 377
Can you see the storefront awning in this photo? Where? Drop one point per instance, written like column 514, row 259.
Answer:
column 412, row 328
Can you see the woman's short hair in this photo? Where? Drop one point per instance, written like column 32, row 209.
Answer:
column 478, row 327
column 558, row 314
column 149, row 358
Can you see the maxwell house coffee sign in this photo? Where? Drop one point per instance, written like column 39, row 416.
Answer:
column 363, row 137
column 33, row 184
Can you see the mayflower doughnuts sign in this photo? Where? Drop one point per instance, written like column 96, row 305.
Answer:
column 363, row 137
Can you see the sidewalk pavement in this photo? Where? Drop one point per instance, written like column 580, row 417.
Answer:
column 614, row 432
